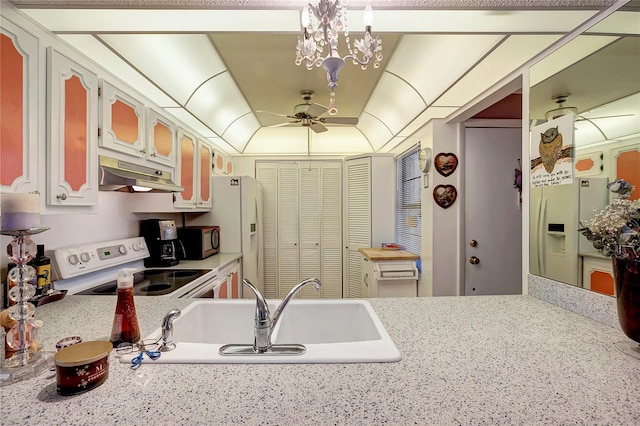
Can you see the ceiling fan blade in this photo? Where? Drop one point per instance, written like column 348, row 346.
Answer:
column 286, row 124
column 605, row 116
column 274, row 113
column 352, row 121
column 315, row 110
column 317, row 127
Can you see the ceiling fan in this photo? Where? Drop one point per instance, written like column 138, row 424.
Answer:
column 561, row 110
column 308, row 115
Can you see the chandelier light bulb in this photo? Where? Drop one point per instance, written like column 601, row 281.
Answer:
column 368, row 16
column 304, row 17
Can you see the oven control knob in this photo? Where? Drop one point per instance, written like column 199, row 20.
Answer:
column 84, row 257
column 135, row 247
column 122, row 249
column 142, row 246
column 73, row 259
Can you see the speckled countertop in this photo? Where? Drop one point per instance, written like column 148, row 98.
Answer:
column 465, row 360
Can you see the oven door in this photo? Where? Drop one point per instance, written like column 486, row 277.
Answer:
column 208, row 290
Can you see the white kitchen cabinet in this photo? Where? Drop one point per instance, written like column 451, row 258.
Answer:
column 368, row 213
column 597, row 274
column 19, row 123
column 122, row 121
column 161, row 139
column 72, row 132
column 302, row 206
column 194, row 171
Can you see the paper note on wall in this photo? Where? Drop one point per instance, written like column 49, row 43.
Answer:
column 552, row 152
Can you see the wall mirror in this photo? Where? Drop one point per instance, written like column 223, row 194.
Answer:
column 596, row 77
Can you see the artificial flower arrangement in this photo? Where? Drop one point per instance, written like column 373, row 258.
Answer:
column 615, row 230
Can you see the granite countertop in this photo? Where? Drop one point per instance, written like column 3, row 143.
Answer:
column 465, row 360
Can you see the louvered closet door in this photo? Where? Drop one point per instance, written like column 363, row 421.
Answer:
column 358, row 219
column 267, row 175
column 331, row 235
column 288, row 234
column 310, row 210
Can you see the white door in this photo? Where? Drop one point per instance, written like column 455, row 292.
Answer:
column 493, row 214
column 288, row 228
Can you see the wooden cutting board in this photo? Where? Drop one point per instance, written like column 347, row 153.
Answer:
column 382, row 254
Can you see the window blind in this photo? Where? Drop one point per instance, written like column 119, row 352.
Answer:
column 408, row 220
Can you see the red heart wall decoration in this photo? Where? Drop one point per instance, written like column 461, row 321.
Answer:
column 445, row 163
column 445, row 195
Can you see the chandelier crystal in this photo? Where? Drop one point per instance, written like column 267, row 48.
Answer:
column 322, row 25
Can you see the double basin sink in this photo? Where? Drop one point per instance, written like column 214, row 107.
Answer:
column 332, row 331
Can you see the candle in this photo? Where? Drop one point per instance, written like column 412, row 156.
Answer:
column 20, row 211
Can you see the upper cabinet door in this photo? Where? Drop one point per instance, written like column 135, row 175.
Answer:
column 72, row 132
column 19, row 106
column 204, row 174
column 161, row 139
column 122, row 126
column 186, row 169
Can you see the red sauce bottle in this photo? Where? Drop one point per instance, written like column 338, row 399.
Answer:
column 125, row 321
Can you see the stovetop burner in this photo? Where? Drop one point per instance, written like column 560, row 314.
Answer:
column 151, row 282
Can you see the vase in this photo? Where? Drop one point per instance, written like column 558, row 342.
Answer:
column 626, row 275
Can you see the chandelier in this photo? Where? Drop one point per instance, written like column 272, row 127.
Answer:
column 322, row 24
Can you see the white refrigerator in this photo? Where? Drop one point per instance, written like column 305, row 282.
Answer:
column 237, row 211
column 555, row 243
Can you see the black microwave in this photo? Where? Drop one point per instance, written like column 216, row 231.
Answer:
column 200, row 241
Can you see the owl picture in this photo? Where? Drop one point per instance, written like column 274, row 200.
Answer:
column 550, row 148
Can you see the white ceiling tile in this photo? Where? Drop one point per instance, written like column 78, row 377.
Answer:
column 177, row 62
column 191, row 122
column 394, row 102
column 240, row 131
column 566, row 55
column 422, row 119
column 339, row 141
column 621, row 22
column 474, row 21
column 432, row 63
column 166, row 20
column 507, row 57
column 100, row 54
column 278, row 141
column 374, row 130
column 218, row 102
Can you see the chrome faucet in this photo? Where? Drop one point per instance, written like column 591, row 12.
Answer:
column 264, row 322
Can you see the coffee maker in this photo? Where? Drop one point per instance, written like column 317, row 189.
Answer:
column 161, row 236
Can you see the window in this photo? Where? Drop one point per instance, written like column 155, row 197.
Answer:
column 408, row 207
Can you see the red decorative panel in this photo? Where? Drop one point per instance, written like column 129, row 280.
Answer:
column 162, row 139
column 229, row 167
column 124, row 122
column 205, row 181
column 222, row 294
column 219, row 162
column 75, row 133
column 12, row 106
column 584, row 164
column 186, row 169
column 602, row 282
column 628, row 168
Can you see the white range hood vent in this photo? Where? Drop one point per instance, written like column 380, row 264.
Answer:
column 118, row 175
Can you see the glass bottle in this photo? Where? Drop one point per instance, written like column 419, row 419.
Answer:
column 125, row 321
column 42, row 264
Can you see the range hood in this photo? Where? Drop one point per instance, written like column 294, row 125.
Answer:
column 118, row 175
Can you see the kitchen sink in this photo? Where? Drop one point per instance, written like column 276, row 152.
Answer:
column 332, row 331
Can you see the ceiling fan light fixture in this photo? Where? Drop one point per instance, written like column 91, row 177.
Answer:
column 321, row 26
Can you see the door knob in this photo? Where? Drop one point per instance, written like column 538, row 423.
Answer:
column 473, row 243
column 474, row 260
